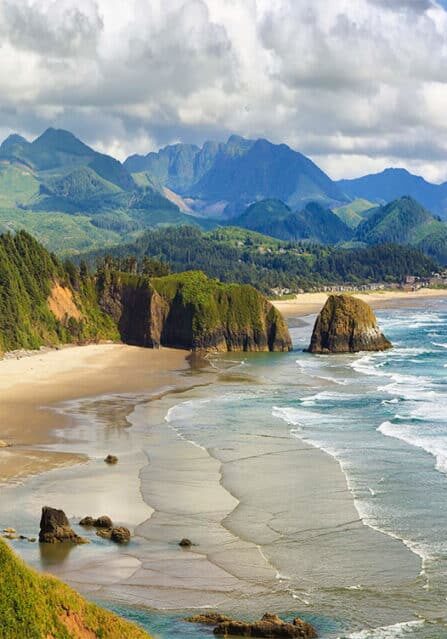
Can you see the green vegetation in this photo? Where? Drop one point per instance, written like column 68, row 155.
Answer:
column 28, row 276
column 35, row 606
column 314, row 222
column 354, row 213
column 405, row 221
column 83, row 199
column 238, row 255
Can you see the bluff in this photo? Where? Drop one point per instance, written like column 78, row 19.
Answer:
column 36, row 606
column 190, row 310
column 346, row 325
column 45, row 302
column 42, row 301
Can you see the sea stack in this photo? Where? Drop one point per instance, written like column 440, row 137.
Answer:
column 347, row 325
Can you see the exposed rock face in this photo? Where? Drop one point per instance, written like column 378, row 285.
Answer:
column 208, row 618
column 120, row 535
column 55, row 528
column 189, row 310
column 347, row 325
column 269, row 626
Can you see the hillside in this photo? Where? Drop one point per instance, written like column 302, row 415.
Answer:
column 35, row 606
column 240, row 255
column 237, row 173
column 405, row 221
column 44, row 302
column 314, row 222
column 394, row 183
column 354, row 212
column 60, row 182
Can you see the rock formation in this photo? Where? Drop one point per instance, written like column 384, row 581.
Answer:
column 189, row 310
column 347, row 325
column 208, row 618
column 111, row 459
column 269, row 626
column 55, row 528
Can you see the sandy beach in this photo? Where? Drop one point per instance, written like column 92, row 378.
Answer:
column 309, row 303
column 30, row 385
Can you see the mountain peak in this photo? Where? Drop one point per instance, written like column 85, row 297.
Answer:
column 61, row 140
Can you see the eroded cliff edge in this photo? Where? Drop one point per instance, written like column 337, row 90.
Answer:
column 347, row 325
column 189, row 310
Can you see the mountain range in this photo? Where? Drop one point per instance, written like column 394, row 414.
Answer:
column 74, row 199
column 393, row 183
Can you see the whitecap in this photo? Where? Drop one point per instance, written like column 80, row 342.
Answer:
column 395, row 631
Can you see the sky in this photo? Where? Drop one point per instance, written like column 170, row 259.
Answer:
column 357, row 85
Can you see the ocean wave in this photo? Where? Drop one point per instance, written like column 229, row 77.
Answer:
column 435, row 444
column 395, row 631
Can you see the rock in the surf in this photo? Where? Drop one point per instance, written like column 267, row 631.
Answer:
column 269, row 626
column 185, row 543
column 55, row 528
column 208, row 618
column 347, row 325
column 120, row 535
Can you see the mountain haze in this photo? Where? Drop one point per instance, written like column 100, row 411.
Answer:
column 393, row 183
column 238, row 173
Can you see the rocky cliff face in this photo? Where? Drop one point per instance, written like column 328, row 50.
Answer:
column 188, row 310
column 347, row 325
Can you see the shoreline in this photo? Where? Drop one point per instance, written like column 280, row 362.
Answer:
column 311, row 303
column 198, row 492
column 32, row 385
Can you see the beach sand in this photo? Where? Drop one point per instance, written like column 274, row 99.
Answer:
column 273, row 517
column 309, row 303
column 29, row 385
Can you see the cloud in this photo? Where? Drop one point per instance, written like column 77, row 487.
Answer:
column 359, row 79
column 407, row 5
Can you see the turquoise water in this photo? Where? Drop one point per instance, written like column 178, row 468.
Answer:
column 383, row 416
column 366, row 564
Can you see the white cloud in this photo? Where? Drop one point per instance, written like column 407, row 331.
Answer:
column 354, row 84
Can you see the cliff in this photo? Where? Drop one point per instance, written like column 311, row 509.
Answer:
column 189, row 310
column 346, row 325
column 45, row 302
column 41, row 607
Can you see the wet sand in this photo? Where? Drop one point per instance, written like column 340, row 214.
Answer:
column 272, row 520
column 31, row 384
column 309, row 303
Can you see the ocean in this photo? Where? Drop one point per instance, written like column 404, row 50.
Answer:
column 314, row 485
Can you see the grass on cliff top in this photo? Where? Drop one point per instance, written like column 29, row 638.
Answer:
column 236, row 306
column 345, row 309
column 35, row 606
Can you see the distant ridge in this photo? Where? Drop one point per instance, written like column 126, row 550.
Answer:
column 239, row 172
column 393, row 183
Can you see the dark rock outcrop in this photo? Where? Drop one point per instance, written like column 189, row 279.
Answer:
column 269, row 626
column 103, row 521
column 120, row 535
column 185, row 543
column 347, row 325
column 111, row 459
column 189, row 310
column 55, row 528
column 208, row 618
